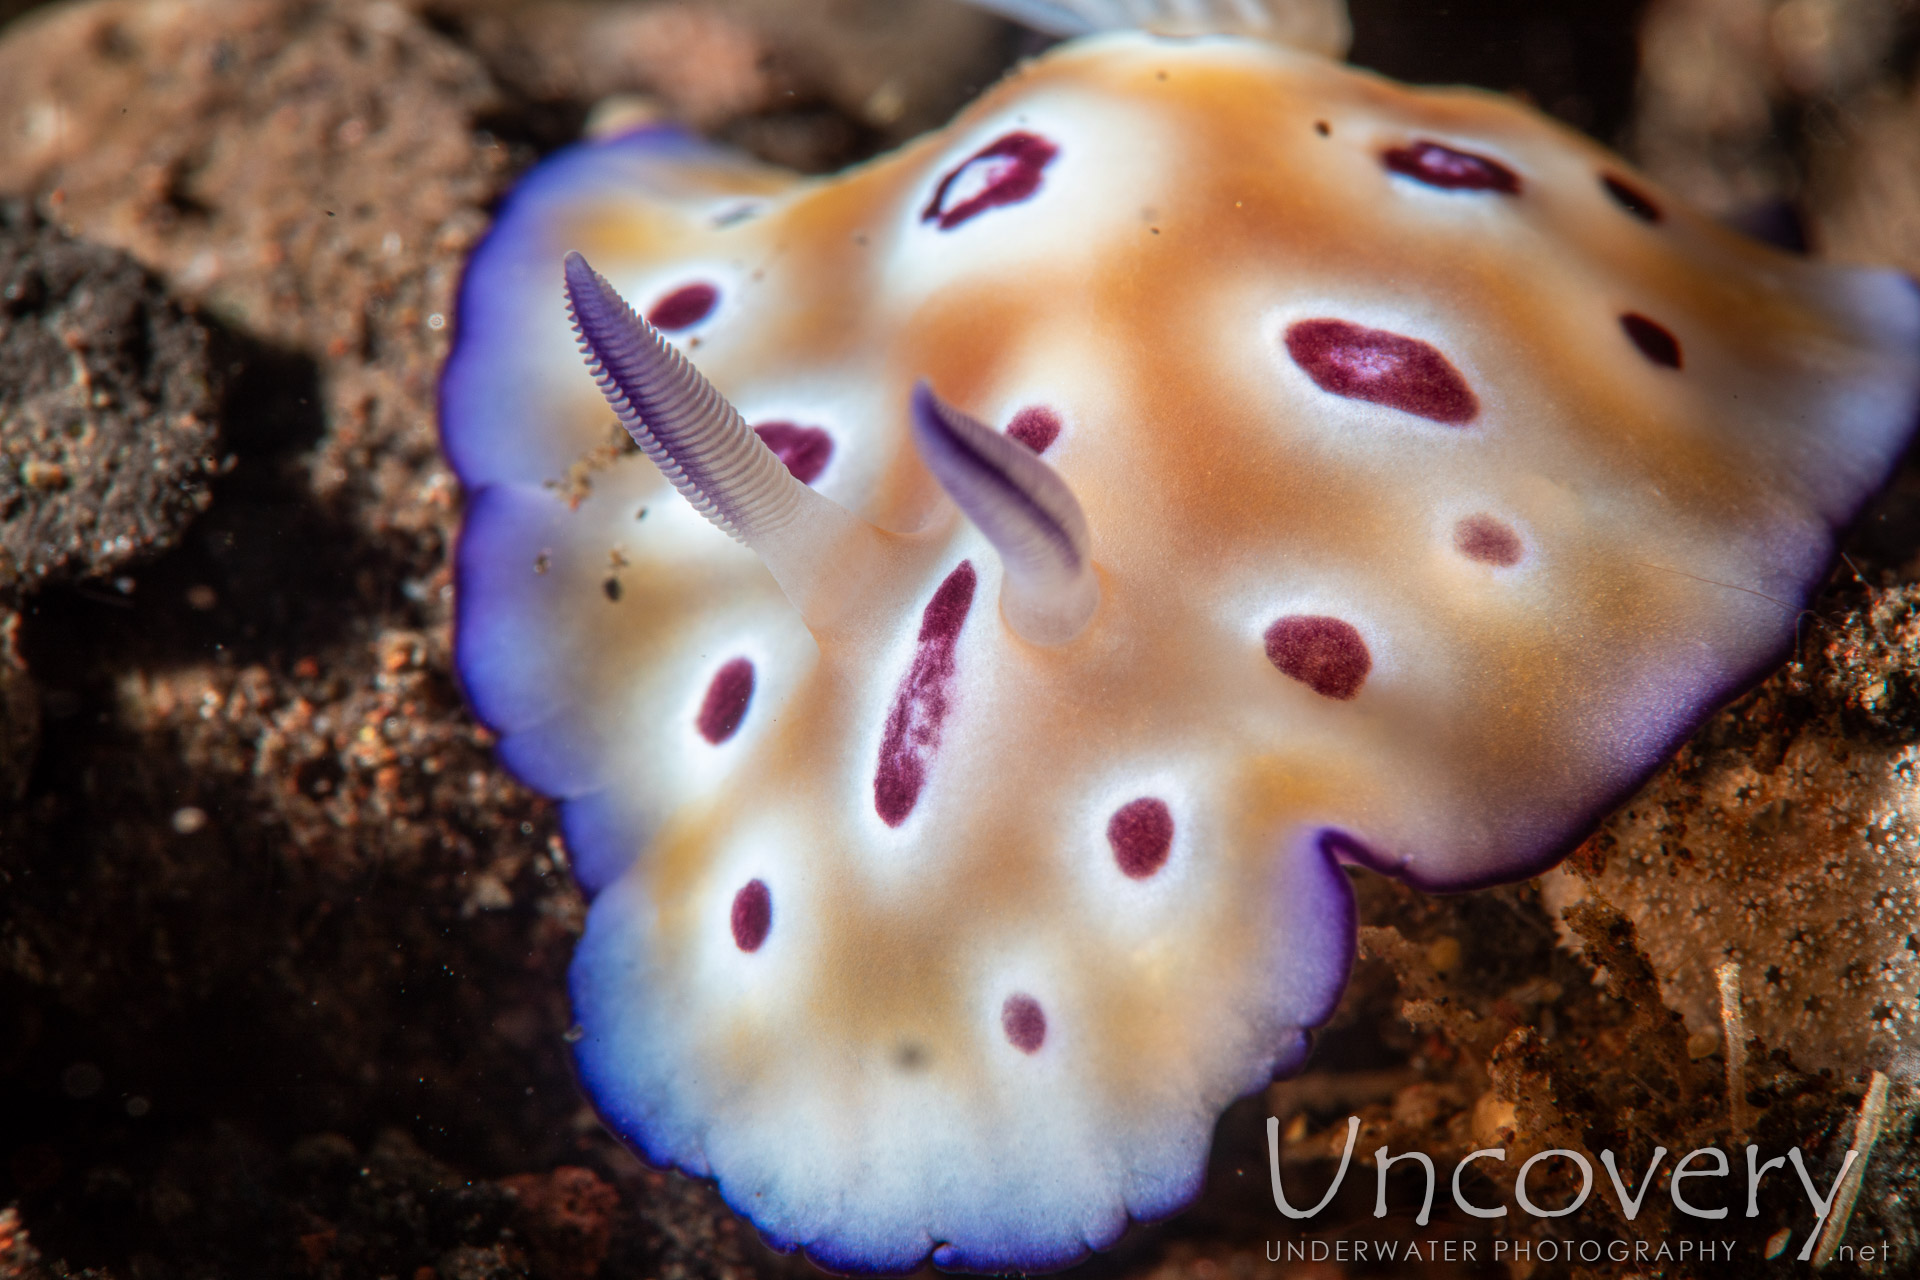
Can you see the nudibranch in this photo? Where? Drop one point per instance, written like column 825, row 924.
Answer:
column 1055, row 550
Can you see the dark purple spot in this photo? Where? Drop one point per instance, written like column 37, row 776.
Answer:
column 1490, row 541
column 1655, row 341
column 726, row 702
column 1631, row 198
column 1440, row 166
column 1384, row 368
column 684, row 307
column 1005, row 171
column 1024, row 1022
column 1141, row 833
column 752, row 915
column 1325, row 654
column 1035, row 426
column 913, row 725
column 805, row 450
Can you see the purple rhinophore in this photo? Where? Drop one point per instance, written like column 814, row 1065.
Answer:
column 651, row 388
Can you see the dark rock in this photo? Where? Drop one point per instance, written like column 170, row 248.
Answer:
column 106, row 408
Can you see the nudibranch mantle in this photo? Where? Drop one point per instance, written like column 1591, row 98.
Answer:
column 1438, row 475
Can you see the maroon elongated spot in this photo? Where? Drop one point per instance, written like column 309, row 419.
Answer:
column 684, row 307
column 752, row 915
column 1655, row 340
column 1025, row 1023
column 1451, row 169
column 920, row 708
column 1490, row 541
column 1325, row 654
column 805, row 450
column 725, row 705
column 1035, row 426
column 1141, row 833
column 1383, row 368
column 1005, row 171
column 1631, row 198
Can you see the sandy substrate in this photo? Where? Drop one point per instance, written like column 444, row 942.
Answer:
column 282, row 950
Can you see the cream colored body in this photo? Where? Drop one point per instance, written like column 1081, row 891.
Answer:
column 849, row 1082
